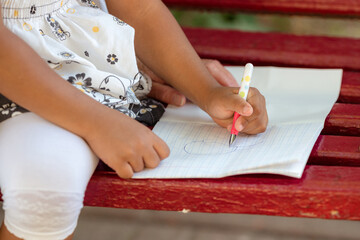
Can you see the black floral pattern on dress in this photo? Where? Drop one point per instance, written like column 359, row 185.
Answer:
column 6, row 109
column 57, row 29
column 9, row 110
column 148, row 112
column 118, row 21
column 33, row 9
column 87, row 53
column 80, row 79
column 90, row 3
column 54, row 63
column 42, row 32
column 112, row 59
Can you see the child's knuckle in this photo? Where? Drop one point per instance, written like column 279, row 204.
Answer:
column 262, row 127
column 153, row 163
column 129, row 154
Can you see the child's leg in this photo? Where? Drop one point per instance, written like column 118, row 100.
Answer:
column 6, row 235
column 44, row 171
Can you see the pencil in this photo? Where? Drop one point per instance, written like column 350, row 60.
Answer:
column 243, row 92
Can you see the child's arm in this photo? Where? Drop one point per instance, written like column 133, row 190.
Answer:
column 162, row 46
column 167, row 94
column 124, row 144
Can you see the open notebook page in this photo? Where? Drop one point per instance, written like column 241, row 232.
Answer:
column 297, row 104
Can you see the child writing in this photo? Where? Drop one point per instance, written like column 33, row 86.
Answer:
column 47, row 155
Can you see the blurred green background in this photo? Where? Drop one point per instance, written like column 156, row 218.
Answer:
column 300, row 25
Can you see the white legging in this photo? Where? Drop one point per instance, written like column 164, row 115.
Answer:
column 44, row 171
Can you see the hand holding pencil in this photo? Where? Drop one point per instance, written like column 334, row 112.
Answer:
column 243, row 92
column 239, row 111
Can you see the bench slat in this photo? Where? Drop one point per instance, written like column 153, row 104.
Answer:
column 322, row 192
column 336, row 151
column 344, row 8
column 344, row 119
column 275, row 49
column 350, row 88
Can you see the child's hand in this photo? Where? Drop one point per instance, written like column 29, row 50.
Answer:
column 126, row 145
column 165, row 93
column 253, row 115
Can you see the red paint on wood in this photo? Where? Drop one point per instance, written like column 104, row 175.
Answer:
column 308, row 7
column 322, row 192
column 336, row 150
column 344, row 119
column 350, row 88
column 237, row 47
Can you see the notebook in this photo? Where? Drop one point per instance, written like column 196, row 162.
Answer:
column 297, row 100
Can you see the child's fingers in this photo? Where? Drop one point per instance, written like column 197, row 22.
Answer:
column 256, row 126
column 166, row 94
column 137, row 164
column 161, row 148
column 124, row 170
column 151, row 159
column 255, row 98
column 238, row 104
column 241, row 123
column 221, row 74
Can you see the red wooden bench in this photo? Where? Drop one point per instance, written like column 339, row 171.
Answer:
column 330, row 186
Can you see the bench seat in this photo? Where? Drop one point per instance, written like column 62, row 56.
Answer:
column 331, row 192
column 330, row 186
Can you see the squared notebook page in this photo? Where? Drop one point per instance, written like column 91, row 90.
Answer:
column 297, row 104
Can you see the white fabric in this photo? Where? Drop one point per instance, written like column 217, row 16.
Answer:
column 88, row 47
column 102, row 5
column 44, row 171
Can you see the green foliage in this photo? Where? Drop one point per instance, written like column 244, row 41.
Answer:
column 301, row 25
column 249, row 22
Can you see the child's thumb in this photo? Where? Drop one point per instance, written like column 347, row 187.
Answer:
column 241, row 106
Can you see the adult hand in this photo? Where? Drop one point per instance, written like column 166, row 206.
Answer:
column 165, row 93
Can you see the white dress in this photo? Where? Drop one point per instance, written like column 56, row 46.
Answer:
column 92, row 50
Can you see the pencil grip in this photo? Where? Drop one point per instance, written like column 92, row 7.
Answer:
column 233, row 129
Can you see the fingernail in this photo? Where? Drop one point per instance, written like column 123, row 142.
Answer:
column 179, row 100
column 240, row 127
column 183, row 100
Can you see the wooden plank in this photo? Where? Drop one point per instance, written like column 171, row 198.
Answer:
column 322, row 192
column 343, row 8
column 234, row 47
column 344, row 119
column 336, row 151
column 350, row 88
